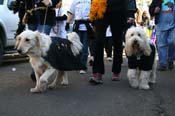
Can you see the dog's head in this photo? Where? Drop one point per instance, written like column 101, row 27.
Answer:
column 27, row 41
column 136, row 42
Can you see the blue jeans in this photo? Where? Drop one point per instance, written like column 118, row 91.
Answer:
column 39, row 28
column 32, row 27
column 165, row 45
column 84, row 40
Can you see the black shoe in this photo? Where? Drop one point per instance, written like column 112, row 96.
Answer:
column 170, row 65
column 162, row 68
column 96, row 79
column 93, row 81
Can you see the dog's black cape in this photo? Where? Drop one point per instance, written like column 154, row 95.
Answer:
column 145, row 62
column 61, row 57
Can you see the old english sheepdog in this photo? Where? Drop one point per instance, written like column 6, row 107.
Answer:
column 49, row 55
column 141, row 54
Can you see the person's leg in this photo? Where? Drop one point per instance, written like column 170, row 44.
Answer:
column 91, row 47
column 162, row 47
column 117, row 57
column 106, row 46
column 117, row 50
column 84, row 54
column 21, row 28
column 109, row 45
column 91, row 50
column 32, row 27
column 171, row 48
column 98, row 64
column 44, row 29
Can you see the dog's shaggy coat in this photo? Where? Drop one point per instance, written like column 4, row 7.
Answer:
column 50, row 55
column 141, row 58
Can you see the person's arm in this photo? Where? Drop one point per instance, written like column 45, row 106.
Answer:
column 69, row 19
column 70, row 14
column 131, row 10
column 61, row 18
column 154, row 8
column 71, row 11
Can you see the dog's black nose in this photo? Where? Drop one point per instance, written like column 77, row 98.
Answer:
column 19, row 51
column 135, row 41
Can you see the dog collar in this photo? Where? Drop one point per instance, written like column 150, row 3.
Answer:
column 138, row 55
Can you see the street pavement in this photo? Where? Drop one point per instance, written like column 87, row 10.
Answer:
column 80, row 98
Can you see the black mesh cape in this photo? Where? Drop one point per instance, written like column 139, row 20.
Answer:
column 61, row 57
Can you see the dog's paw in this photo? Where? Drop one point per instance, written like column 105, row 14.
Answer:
column 35, row 90
column 64, row 83
column 145, row 87
column 133, row 86
column 134, row 83
column 43, row 86
column 152, row 80
column 52, row 86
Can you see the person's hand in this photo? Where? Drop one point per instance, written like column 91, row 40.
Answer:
column 67, row 27
column 46, row 2
column 157, row 10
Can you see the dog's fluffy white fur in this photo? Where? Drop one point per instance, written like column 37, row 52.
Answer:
column 136, row 41
column 35, row 45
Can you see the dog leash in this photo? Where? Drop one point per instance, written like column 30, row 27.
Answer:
column 45, row 17
column 30, row 12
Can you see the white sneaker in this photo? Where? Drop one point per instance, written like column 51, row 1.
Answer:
column 82, row 71
column 109, row 58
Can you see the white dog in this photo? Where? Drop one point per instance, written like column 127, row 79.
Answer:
column 49, row 55
column 141, row 58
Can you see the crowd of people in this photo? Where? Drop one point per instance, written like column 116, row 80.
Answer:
column 101, row 24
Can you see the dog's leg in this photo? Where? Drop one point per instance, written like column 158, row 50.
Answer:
column 65, row 79
column 144, row 79
column 53, row 84
column 36, row 89
column 133, row 78
column 44, row 78
column 61, row 76
column 55, row 81
column 153, row 73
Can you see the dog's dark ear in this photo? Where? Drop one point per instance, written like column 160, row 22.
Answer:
column 38, row 37
column 128, row 49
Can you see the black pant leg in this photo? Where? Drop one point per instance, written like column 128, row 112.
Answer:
column 100, row 31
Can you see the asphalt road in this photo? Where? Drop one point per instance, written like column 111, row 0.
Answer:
column 81, row 99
